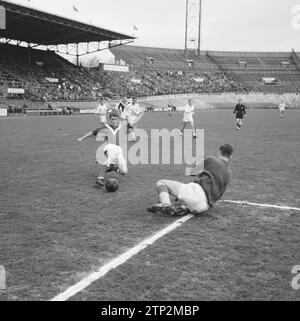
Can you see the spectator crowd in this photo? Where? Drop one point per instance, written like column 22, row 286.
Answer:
column 70, row 83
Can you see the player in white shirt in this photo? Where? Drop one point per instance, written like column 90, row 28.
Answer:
column 189, row 111
column 133, row 113
column 282, row 107
column 101, row 110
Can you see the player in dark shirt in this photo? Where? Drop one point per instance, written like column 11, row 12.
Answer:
column 240, row 112
column 212, row 179
column 120, row 107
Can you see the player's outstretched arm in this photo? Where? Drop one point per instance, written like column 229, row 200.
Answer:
column 90, row 134
column 139, row 117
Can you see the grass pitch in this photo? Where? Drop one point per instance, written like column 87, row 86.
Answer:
column 56, row 227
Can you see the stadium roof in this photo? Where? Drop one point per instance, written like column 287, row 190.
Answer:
column 38, row 27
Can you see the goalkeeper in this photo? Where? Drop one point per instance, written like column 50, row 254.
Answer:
column 212, row 179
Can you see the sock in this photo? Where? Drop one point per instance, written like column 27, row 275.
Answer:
column 164, row 198
column 163, row 194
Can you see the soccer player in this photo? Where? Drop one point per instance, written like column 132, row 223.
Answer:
column 282, row 107
column 189, row 111
column 212, row 179
column 240, row 112
column 170, row 109
column 101, row 110
column 133, row 114
column 114, row 154
column 120, row 107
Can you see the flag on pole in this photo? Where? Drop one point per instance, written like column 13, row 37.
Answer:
column 135, row 28
column 75, row 9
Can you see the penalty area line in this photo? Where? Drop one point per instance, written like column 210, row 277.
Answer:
column 262, row 205
column 114, row 263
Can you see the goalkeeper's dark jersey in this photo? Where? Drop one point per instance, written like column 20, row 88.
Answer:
column 240, row 111
column 214, row 179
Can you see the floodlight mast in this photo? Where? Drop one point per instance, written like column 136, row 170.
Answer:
column 193, row 26
column 199, row 32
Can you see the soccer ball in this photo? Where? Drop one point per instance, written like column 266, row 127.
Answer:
column 112, row 185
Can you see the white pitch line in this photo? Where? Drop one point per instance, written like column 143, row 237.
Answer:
column 88, row 280
column 263, row 205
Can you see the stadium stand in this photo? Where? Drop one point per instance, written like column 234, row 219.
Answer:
column 47, row 77
column 252, row 68
column 29, row 76
column 162, row 59
column 166, row 82
column 251, row 71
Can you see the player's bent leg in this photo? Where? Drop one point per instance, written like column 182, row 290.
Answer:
column 100, row 178
column 191, row 194
column 164, row 198
column 122, row 164
column 115, row 156
column 167, row 187
column 111, row 152
column 183, row 128
column 164, row 189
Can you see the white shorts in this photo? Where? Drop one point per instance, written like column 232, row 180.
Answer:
column 115, row 156
column 103, row 119
column 188, row 119
column 194, row 197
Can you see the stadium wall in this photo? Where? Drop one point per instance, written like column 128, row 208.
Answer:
column 225, row 100
column 201, row 101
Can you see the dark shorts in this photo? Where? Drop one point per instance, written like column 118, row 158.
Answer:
column 239, row 116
